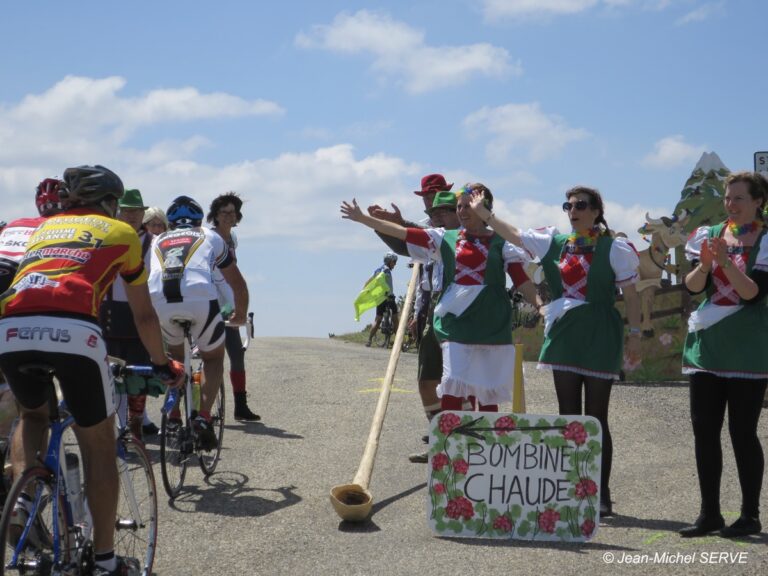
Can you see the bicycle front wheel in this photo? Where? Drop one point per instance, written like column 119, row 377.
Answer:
column 175, row 448
column 35, row 553
column 210, row 459
column 136, row 523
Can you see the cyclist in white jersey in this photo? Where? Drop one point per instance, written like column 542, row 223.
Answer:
column 181, row 285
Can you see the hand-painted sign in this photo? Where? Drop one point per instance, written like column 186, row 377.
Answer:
column 521, row 476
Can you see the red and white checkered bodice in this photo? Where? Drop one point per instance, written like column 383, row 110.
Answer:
column 573, row 274
column 471, row 259
column 725, row 294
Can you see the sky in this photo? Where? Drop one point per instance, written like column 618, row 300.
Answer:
column 298, row 105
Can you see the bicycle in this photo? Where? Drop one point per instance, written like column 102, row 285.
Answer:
column 55, row 538
column 178, row 437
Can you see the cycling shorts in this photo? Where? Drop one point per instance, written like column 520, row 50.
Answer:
column 388, row 303
column 207, row 325
column 74, row 348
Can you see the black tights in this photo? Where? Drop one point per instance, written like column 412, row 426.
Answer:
column 597, row 396
column 710, row 395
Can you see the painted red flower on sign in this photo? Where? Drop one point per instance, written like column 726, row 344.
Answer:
column 548, row 519
column 504, row 425
column 575, row 431
column 459, row 507
column 587, row 527
column 448, row 422
column 585, row 487
column 460, row 466
column 503, row 523
column 439, row 488
column 439, row 460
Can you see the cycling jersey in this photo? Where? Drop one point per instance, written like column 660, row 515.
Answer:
column 13, row 244
column 183, row 264
column 71, row 260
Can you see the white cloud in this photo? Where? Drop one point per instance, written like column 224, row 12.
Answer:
column 522, row 129
column 542, row 9
column 400, row 51
column 534, row 8
column 701, row 13
column 80, row 118
column 671, row 152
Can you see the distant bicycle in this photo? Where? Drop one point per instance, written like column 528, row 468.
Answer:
column 383, row 337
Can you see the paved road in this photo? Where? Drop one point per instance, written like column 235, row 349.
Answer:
column 266, row 511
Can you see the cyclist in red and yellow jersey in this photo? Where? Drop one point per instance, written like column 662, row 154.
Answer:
column 49, row 315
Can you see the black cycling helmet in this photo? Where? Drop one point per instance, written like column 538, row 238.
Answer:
column 91, row 185
column 184, row 212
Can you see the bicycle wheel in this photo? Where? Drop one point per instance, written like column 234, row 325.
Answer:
column 175, row 448
column 35, row 554
column 136, row 523
column 209, row 460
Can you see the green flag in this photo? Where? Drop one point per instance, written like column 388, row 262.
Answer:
column 372, row 294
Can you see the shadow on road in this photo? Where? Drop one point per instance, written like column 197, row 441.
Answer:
column 262, row 430
column 369, row 525
column 227, row 494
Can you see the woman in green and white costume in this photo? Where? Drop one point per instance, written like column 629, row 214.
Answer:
column 583, row 331
column 473, row 318
column 726, row 351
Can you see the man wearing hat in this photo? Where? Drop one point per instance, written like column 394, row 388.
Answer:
column 442, row 214
column 119, row 329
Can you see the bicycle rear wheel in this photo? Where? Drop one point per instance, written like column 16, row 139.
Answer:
column 136, row 523
column 175, row 448
column 210, row 459
column 35, row 553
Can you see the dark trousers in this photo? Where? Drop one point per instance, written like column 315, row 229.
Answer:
column 596, row 398
column 710, row 395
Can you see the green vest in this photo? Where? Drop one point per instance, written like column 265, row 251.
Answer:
column 737, row 344
column 590, row 337
column 488, row 320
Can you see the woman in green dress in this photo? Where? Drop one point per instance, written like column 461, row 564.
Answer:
column 583, row 331
column 726, row 351
column 473, row 317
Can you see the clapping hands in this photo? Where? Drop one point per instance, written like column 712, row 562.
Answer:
column 351, row 211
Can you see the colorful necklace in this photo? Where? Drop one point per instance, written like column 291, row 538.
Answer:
column 583, row 239
column 742, row 229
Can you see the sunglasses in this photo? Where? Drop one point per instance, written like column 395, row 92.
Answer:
column 579, row 205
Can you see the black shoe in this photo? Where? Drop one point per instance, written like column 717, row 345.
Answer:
column 744, row 526
column 206, row 438
column 425, row 439
column 703, row 526
column 242, row 412
column 419, row 457
column 125, row 567
column 606, row 508
column 150, row 429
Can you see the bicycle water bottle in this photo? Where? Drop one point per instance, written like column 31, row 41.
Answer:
column 170, row 401
column 197, row 379
column 74, row 493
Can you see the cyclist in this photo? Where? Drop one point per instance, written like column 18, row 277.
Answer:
column 14, row 236
column 181, row 283
column 49, row 315
column 390, row 261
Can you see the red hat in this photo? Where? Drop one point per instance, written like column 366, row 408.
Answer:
column 432, row 183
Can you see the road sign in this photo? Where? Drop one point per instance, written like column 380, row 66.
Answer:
column 761, row 161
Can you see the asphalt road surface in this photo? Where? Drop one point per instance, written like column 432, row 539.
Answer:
column 267, row 510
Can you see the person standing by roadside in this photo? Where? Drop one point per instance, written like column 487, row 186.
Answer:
column 390, row 261
column 725, row 351
column 224, row 214
column 155, row 221
column 119, row 329
column 583, row 333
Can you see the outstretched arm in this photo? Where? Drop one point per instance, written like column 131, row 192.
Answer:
column 354, row 213
column 505, row 230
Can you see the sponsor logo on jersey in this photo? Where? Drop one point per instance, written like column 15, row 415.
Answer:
column 38, row 333
column 34, row 280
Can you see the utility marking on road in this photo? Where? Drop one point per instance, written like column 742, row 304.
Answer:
column 393, row 389
column 654, row 537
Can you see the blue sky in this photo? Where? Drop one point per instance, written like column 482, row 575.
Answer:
column 297, row 105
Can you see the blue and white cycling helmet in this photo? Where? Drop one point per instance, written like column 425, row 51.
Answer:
column 184, row 212
column 390, row 257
